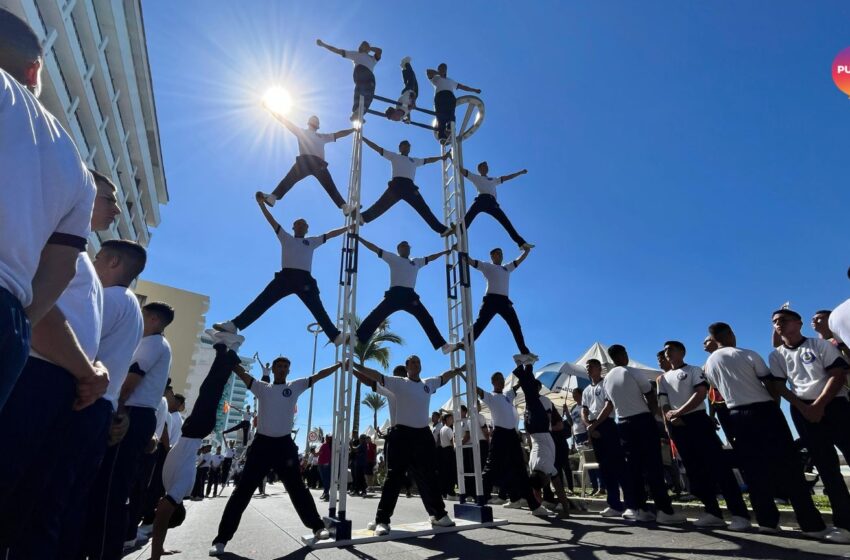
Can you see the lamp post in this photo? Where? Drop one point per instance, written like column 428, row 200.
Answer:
column 314, row 329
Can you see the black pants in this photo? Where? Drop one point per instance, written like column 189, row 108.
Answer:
column 612, row 464
column 213, row 480
column 506, row 466
column 364, row 85
column 495, row 304
column 821, row 439
column 706, row 465
column 201, row 421
column 406, row 483
column 14, row 342
column 487, row 203
column 60, row 515
column 266, row 453
column 287, row 282
column 765, row 448
column 410, row 81
column 201, row 475
column 562, row 456
column 38, row 409
column 139, row 490
column 245, row 426
column 412, row 449
column 107, row 518
column 447, row 470
column 400, row 188
column 398, row 298
column 642, row 447
column 225, row 471
column 305, row 166
column 156, row 490
column 444, row 105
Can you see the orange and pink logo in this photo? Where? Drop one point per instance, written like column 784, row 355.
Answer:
column 841, row 71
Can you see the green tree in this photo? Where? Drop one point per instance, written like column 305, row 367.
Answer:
column 376, row 402
column 374, row 349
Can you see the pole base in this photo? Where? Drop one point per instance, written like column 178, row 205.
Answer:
column 474, row 512
column 340, row 529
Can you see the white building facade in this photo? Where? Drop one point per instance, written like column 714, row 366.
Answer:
column 97, row 82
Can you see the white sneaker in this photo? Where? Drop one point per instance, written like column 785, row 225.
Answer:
column 674, row 518
column 270, row 199
column 611, row 512
column 818, row 534
column 496, row 501
column 322, row 535
column 217, row 549
column 346, row 209
column 444, row 521
column 450, row 347
column 514, row 505
column 638, row 515
column 769, row 530
column 226, row 326
column 360, row 220
column 405, row 61
column 371, row 525
column 838, row 535
column 382, row 529
column 339, row 340
column 708, row 520
column 526, row 246
column 739, row 523
column 549, row 505
column 232, row 341
column 542, row 511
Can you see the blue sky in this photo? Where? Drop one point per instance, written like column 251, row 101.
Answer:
column 687, row 164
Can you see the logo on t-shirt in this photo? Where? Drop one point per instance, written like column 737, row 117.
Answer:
column 427, row 388
column 807, row 356
column 287, row 392
column 682, row 375
column 305, row 242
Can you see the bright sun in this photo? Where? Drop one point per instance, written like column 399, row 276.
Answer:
column 277, row 100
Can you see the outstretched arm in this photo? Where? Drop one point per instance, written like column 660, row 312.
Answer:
column 436, row 256
column 467, row 88
column 478, row 390
column 522, row 257
column 342, row 133
column 337, row 232
column 513, row 175
column 368, row 373
column 285, row 122
column 244, row 376
column 443, row 157
column 374, row 146
column 446, row 376
column 372, row 384
column 371, row 246
column 322, row 373
column 334, row 50
column 269, row 218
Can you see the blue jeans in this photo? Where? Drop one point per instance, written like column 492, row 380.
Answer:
column 14, row 342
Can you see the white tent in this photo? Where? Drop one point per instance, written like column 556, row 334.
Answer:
column 600, row 352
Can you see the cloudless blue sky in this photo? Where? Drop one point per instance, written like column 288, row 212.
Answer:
column 687, row 164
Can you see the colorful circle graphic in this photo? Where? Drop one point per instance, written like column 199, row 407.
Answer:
column 841, row 71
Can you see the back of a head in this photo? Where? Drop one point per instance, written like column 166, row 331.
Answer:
column 133, row 256
column 163, row 310
column 618, row 354
column 721, row 332
column 19, row 45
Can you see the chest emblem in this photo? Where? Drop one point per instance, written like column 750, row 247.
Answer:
column 287, row 392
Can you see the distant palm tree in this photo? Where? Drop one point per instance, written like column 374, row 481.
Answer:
column 369, row 350
column 376, row 402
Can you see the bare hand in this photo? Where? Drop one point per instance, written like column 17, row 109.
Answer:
column 320, row 42
column 151, row 446
column 523, row 172
column 118, row 429
column 260, row 197
column 477, row 91
column 670, row 415
column 813, row 413
column 91, row 388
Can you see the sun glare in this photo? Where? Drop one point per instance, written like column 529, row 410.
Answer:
column 277, row 100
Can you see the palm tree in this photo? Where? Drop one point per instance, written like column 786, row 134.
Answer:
column 376, row 402
column 372, row 349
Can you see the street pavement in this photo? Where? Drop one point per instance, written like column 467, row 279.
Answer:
column 270, row 530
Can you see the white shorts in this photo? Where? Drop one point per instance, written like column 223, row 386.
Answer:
column 178, row 471
column 542, row 458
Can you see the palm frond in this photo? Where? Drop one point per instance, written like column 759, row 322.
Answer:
column 375, row 401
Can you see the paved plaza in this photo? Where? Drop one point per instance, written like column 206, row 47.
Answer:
column 270, row 530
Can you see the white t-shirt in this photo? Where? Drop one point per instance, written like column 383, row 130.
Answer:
column 45, row 188
column 297, row 252
column 403, row 166
column 362, row 59
column 216, row 460
column 312, row 143
column 391, row 402
column 484, row 185
column 839, row 322
column 578, row 425
column 737, row 374
column 626, row 390
column 122, row 330
column 229, row 453
column 679, row 385
column 593, row 398
column 443, row 84
column 435, row 431
column 175, row 423
column 277, row 405
column 205, row 461
column 161, row 416
column 482, row 425
column 446, row 436
column 413, row 399
column 246, row 416
column 502, row 410
column 805, row 366
column 82, row 305
column 498, row 276
column 153, row 357
column 403, row 271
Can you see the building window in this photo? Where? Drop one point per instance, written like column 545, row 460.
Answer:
column 82, row 132
column 79, row 43
column 62, row 75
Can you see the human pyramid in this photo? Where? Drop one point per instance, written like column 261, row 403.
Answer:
column 75, row 342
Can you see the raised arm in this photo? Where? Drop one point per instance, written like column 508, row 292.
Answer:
column 368, row 373
column 434, row 159
column 430, row 72
column 337, row 232
column 467, row 88
column 244, row 376
column 374, row 146
column 322, row 373
column 376, row 51
column 436, row 256
column 479, row 390
column 334, row 50
column 268, row 215
column 371, row 246
column 290, row 126
column 371, row 383
column 342, row 133
column 522, row 257
column 447, row 375
column 513, row 175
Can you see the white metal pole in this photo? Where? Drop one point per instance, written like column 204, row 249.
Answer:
column 315, row 329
